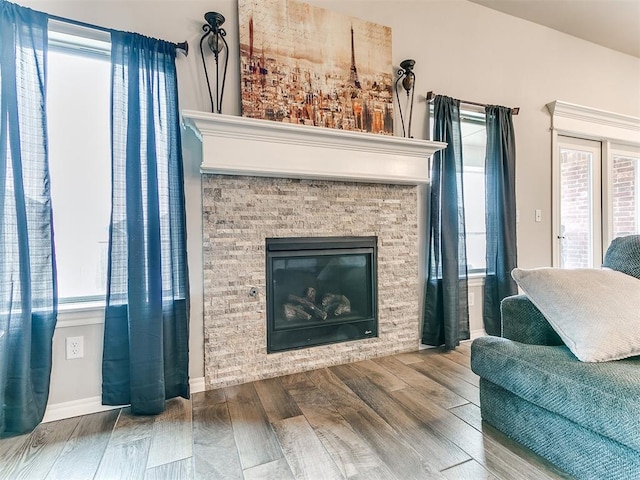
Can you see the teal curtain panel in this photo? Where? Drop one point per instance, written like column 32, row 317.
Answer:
column 28, row 297
column 500, row 187
column 446, row 309
column 145, row 359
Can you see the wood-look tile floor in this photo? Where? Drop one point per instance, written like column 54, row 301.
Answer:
column 407, row 416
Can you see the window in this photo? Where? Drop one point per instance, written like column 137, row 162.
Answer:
column 474, row 147
column 78, row 122
column 625, row 191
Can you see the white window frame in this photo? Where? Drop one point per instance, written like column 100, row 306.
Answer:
column 615, row 149
column 609, row 128
column 470, row 114
column 82, row 41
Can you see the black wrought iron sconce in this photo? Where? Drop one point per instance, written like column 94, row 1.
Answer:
column 408, row 82
column 214, row 33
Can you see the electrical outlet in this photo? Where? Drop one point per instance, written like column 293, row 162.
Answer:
column 472, row 299
column 75, row 347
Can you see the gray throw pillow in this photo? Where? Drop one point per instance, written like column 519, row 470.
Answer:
column 595, row 312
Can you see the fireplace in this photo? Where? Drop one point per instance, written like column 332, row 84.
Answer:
column 320, row 291
column 265, row 179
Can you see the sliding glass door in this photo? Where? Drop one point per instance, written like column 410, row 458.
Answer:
column 579, row 233
column 597, row 198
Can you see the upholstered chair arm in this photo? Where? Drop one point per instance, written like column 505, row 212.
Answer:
column 524, row 323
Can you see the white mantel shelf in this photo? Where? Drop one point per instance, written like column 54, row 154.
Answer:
column 234, row 145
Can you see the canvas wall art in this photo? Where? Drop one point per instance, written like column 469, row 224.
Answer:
column 306, row 65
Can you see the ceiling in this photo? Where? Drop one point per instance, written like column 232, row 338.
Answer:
column 611, row 23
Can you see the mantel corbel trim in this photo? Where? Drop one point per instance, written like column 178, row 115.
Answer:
column 243, row 146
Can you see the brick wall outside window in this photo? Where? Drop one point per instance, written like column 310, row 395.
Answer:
column 575, row 208
column 625, row 196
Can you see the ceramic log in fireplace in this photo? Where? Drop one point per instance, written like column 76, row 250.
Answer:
column 320, row 291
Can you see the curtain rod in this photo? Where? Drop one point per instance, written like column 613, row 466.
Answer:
column 182, row 46
column 431, row 96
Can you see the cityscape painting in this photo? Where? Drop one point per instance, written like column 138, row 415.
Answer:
column 307, row 65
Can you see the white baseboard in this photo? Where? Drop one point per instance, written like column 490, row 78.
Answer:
column 85, row 406
column 74, row 408
column 197, row 385
column 473, row 334
column 477, row 333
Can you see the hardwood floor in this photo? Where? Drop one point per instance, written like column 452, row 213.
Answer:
column 408, row 416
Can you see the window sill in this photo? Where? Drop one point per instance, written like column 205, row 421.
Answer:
column 476, row 280
column 80, row 314
column 473, row 279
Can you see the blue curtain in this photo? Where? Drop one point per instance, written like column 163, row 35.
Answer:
column 28, row 297
column 500, row 186
column 145, row 358
column 446, row 309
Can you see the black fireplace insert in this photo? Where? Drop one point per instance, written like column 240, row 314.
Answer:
column 320, row 290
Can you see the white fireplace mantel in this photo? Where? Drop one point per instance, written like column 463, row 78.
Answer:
column 234, row 145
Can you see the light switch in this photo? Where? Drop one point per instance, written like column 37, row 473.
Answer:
column 538, row 215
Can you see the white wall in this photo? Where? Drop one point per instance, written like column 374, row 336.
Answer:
column 461, row 49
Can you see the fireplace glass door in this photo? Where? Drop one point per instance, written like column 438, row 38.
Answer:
column 320, row 291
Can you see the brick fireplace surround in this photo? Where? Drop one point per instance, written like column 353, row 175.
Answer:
column 320, row 191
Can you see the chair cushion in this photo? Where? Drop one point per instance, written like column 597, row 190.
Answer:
column 602, row 397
